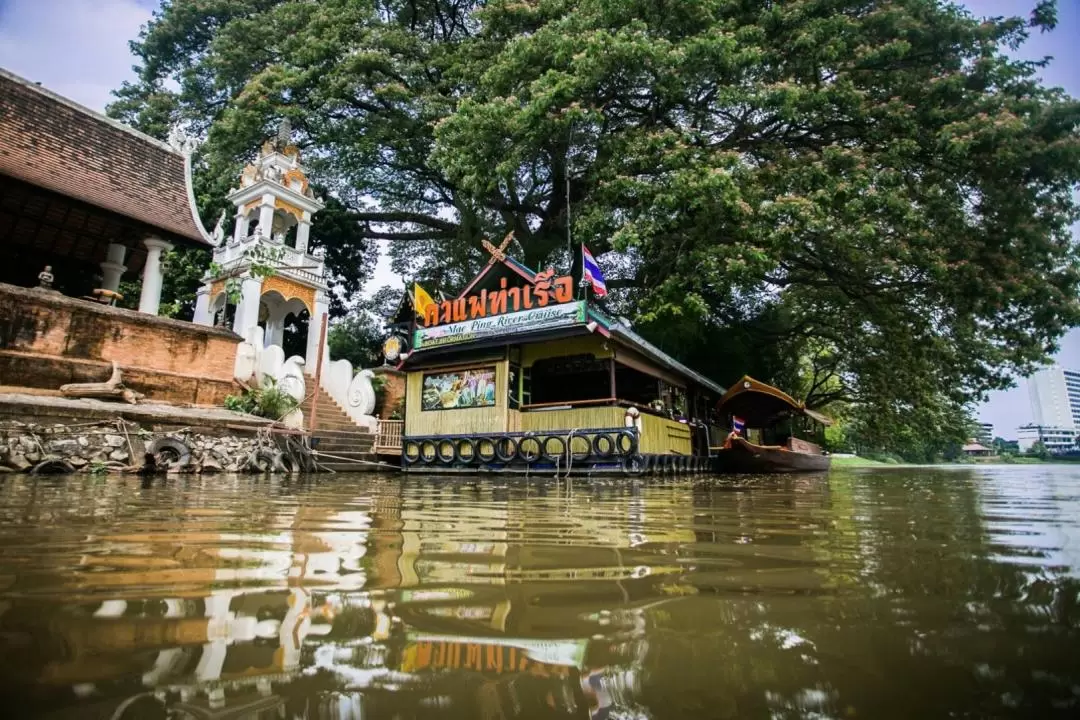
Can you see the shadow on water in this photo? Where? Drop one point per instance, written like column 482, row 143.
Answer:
column 903, row 593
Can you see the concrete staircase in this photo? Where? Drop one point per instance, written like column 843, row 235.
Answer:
column 351, row 447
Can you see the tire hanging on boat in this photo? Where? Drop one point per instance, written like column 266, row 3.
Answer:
column 626, row 443
column 634, row 465
column 530, row 449
column 426, row 457
column 410, row 452
column 603, row 445
column 446, row 451
column 485, row 449
column 465, row 457
column 506, row 449
column 583, row 442
column 556, row 452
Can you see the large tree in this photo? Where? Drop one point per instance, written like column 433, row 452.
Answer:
column 868, row 201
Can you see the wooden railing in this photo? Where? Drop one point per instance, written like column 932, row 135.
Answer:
column 388, row 440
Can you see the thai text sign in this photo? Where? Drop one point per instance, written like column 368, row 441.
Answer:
column 545, row 290
column 515, row 323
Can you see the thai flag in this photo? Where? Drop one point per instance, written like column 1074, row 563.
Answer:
column 591, row 272
column 738, row 423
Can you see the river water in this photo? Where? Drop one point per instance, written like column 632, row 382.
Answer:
column 897, row 593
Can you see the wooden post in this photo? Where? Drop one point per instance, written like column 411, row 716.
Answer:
column 318, row 372
column 612, row 369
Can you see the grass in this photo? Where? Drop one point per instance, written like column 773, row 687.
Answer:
column 845, row 462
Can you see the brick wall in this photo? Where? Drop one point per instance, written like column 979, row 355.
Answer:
column 393, row 391
column 48, row 339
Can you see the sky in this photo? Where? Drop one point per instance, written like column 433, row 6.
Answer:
column 79, row 48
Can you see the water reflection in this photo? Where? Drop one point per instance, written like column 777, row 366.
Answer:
column 379, row 597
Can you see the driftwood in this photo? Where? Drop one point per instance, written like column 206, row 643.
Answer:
column 111, row 388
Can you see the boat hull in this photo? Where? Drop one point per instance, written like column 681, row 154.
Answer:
column 745, row 457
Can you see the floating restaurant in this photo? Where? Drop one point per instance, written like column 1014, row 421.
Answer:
column 520, row 373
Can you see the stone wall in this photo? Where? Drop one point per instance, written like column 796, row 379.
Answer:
column 48, row 339
column 119, row 445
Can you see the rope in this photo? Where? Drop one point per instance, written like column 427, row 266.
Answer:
column 569, row 456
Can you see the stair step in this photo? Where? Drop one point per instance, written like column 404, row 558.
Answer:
column 344, row 455
column 331, row 417
column 344, row 448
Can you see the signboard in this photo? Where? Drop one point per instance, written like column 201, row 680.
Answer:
column 515, row 323
column 458, row 389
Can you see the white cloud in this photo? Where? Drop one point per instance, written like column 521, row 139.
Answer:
column 77, row 48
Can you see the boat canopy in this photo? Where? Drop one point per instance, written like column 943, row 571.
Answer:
column 760, row 404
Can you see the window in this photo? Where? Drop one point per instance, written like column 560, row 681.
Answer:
column 513, row 380
column 473, row 388
column 569, row 379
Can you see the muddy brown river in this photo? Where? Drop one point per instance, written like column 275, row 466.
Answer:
column 895, row 593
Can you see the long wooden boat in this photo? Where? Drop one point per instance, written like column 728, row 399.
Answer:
column 768, row 442
column 743, row 456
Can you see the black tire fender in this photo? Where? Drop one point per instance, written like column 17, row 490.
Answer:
column 530, row 449
column 551, row 453
column 424, row 456
column 407, row 447
column 603, row 445
column 506, row 448
column 264, row 460
column 488, row 454
column 446, row 451
column 176, row 452
column 464, row 457
column 626, row 443
column 53, row 466
column 634, row 465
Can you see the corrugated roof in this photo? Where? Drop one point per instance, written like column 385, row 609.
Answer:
column 51, row 142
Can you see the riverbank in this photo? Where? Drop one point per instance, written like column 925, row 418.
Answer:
column 44, row 434
column 856, row 461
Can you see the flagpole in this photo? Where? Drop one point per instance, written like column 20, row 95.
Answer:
column 569, row 245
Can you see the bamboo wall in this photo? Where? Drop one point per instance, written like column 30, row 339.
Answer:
column 661, row 436
column 457, row 421
column 577, row 418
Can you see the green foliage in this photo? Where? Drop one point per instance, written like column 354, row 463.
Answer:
column 358, row 338
column 1039, row 450
column 866, row 202
column 378, row 386
column 182, row 272
column 268, row 401
column 242, row 403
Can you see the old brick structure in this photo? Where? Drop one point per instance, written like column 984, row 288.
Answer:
column 48, row 339
column 96, row 202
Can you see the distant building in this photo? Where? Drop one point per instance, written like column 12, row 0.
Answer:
column 1072, row 389
column 1056, row 439
column 974, row 449
column 1052, row 403
column 984, row 433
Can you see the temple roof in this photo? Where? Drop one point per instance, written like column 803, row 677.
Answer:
column 51, row 142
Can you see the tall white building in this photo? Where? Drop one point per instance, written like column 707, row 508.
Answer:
column 1072, row 390
column 1048, row 390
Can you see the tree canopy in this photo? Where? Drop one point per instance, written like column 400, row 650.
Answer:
column 860, row 200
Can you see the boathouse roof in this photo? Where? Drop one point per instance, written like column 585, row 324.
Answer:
column 623, row 334
column 53, row 143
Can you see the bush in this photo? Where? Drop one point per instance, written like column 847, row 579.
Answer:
column 268, row 401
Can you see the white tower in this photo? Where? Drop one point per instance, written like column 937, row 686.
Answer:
column 274, row 211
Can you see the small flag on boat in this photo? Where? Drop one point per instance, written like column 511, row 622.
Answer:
column 421, row 300
column 738, row 423
column 590, row 272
